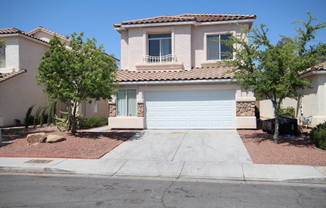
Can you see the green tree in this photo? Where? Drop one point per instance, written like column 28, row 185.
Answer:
column 78, row 72
column 273, row 71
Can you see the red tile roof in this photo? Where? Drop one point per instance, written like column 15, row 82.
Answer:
column 198, row 73
column 189, row 17
column 16, row 31
column 8, row 76
column 320, row 66
column 40, row 28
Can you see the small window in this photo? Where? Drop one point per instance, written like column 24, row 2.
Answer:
column 2, row 57
column 96, row 106
column 160, row 48
column 126, row 102
column 216, row 49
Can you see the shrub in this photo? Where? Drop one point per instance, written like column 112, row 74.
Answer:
column 52, row 112
column 289, row 111
column 318, row 136
column 91, row 122
column 28, row 117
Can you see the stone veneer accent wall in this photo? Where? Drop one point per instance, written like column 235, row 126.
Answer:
column 245, row 109
column 112, row 110
column 140, row 109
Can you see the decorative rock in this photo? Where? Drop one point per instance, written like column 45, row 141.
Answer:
column 35, row 138
column 112, row 110
column 140, row 109
column 55, row 138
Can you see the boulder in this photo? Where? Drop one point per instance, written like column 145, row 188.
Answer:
column 35, row 138
column 55, row 138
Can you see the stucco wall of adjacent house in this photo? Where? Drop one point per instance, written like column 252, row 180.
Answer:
column 312, row 104
column 19, row 93
column 241, row 95
column 90, row 109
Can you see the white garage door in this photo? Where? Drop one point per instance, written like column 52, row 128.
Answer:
column 210, row 109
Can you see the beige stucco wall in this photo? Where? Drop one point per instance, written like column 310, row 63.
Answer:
column 18, row 94
column 199, row 35
column 312, row 104
column 139, row 122
column 188, row 43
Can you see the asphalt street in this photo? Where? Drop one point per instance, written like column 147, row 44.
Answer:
column 19, row 190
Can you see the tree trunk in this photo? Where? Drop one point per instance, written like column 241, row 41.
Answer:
column 73, row 119
column 277, row 123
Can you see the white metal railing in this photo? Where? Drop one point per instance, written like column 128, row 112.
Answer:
column 159, row 59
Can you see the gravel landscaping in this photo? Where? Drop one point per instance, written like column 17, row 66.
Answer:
column 289, row 151
column 86, row 145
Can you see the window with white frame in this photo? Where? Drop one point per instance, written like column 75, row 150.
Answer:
column 126, row 102
column 2, row 57
column 96, row 106
column 159, row 47
column 216, row 49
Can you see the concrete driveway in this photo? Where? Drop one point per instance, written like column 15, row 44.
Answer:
column 218, row 146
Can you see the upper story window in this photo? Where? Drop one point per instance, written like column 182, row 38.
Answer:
column 160, row 49
column 2, row 57
column 126, row 103
column 216, row 48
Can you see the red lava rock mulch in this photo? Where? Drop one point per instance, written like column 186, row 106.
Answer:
column 86, row 145
column 289, row 151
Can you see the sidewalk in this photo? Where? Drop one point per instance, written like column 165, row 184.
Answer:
column 167, row 169
column 123, row 166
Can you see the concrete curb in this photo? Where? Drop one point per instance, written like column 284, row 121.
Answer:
column 182, row 176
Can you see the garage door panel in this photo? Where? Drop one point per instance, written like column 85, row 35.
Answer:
column 193, row 113
column 216, row 113
column 204, row 113
column 182, row 123
column 216, row 103
column 161, row 113
column 182, row 113
column 173, row 113
column 193, row 123
column 216, row 123
column 190, row 109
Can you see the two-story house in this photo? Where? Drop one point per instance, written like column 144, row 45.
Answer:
column 169, row 77
column 20, row 59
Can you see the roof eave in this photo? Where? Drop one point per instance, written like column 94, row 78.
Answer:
column 221, row 80
column 123, row 27
column 313, row 73
column 13, row 77
column 25, row 36
column 226, row 22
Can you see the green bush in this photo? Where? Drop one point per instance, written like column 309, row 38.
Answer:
column 91, row 122
column 289, row 111
column 318, row 136
column 29, row 119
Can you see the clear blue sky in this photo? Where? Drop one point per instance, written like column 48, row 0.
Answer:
column 96, row 17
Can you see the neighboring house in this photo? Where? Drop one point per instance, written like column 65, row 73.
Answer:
column 169, row 77
column 312, row 104
column 18, row 89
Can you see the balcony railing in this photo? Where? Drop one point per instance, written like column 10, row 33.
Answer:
column 160, row 59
